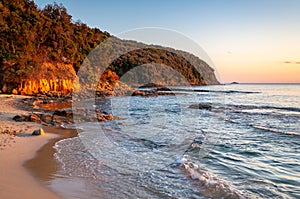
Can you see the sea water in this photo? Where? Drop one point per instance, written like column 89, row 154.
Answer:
column 244, row 143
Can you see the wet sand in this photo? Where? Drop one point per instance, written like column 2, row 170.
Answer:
column 43, row 166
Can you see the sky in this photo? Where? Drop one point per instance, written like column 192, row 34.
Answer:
column 248, row 41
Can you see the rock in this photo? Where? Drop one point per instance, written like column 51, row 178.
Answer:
column 59, row 120
column 10, row 132
column 201, row 106
column 100, row 117
column 34, row 118
column 47, row 118
column 39, row 132
column 109, row 117
column 15, row 92
column 163, row 89
column 234, row 83
column 64, row 112
column 150, row 85
column 104, row 117
column 137, row 93
column 17, row 118
column 21, row 118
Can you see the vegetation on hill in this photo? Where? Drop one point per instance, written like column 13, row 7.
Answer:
column 30, row 36
column 38, row 46
column 163, row 66
column 138, row 64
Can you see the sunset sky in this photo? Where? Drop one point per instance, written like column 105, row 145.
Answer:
column 249, row 41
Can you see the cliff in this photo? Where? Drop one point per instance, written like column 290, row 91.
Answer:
column 56, row 78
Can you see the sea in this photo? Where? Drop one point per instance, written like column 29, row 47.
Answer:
column 223, row 141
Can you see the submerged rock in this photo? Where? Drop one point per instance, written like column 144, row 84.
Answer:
column 201, row 106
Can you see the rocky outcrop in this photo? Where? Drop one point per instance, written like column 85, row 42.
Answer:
column 64, row 116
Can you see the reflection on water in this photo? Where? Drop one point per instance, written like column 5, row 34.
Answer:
column 54, row 105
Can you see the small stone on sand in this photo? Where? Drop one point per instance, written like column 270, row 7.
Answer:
column 38, row 132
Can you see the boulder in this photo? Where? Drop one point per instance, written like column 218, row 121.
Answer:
column 38, row 132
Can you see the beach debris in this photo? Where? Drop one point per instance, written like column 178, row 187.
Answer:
column 39, row 132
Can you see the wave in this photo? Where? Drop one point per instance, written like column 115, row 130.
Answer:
column 293, row 109
column 209, row 185
column 263, row 127
column 259, row 127
column 276, row 130
column 220, row 107
column 205, row 90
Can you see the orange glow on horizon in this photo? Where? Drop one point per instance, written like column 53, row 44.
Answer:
column 258, row 72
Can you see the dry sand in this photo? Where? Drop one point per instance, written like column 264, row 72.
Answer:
column 15, row 180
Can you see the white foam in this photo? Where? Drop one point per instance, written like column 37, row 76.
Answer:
column 276, row 130
column 209, row 185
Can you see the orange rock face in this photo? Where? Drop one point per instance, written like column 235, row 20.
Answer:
column 44, row 86
column 49, row 78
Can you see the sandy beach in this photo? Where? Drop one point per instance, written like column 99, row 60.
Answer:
column 25, row 160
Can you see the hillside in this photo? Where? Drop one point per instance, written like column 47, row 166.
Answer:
column 39, row 46
column 182, row 66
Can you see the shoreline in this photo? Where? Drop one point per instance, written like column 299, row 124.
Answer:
column 27, row 162
column 43, row 165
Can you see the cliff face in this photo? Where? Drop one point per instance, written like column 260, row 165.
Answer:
column 57, row 78
column 42, row 86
